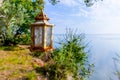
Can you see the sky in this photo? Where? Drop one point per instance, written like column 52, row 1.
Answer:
column 101, row 18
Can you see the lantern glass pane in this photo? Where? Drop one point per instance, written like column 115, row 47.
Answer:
column 38, row 36
column 49, row 36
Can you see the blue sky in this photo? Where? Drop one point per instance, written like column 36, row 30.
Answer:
column 101, row 18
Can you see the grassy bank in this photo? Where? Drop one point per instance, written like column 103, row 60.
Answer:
column 16, row 63
column 68, row 61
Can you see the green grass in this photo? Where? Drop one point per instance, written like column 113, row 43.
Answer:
column 16, row 63
column 10, row 48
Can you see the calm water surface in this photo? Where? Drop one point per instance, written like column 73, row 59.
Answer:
column 103, row 48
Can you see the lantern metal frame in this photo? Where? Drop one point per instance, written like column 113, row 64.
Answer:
column 44, row 34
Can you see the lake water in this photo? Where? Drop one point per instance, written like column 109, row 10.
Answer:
column 103, row 48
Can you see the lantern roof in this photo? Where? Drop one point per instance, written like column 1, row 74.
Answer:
column 41, row 20
column 41, row 16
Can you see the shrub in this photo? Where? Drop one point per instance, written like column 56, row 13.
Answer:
column 70, row 60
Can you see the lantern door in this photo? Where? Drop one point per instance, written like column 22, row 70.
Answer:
column 38, row 37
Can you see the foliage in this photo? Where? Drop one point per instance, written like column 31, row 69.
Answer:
column 117, row 64
column 69, row 60
column 54, row 1
column 16, row 18
column 87, row 2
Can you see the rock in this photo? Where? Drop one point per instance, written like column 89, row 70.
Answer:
column 39, row 62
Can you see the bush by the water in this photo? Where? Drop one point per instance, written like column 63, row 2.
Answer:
column 70, row 60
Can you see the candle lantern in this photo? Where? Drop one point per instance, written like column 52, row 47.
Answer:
column 41, row 33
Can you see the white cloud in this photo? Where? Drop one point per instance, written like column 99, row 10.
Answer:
column 105, row 17
column 107, row 8
column 69, row 2
column 81, row 13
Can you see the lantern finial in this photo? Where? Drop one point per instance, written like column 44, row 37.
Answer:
column 41, row 16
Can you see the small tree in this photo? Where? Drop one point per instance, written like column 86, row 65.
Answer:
column 16, row 17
